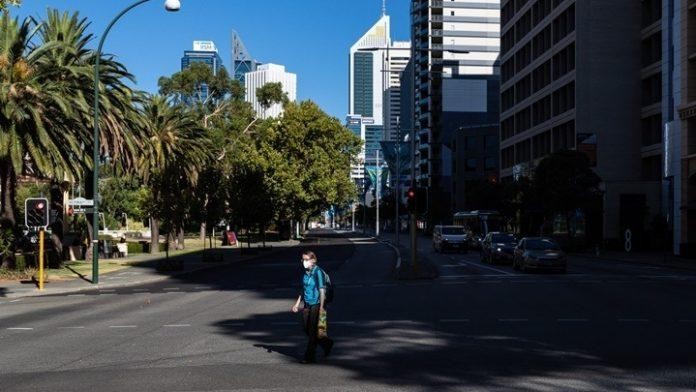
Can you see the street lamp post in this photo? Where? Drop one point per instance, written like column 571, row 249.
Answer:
column 169, row 5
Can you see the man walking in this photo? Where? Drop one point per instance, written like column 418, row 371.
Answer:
column 314, row 297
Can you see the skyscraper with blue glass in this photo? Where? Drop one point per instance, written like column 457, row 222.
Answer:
column 242, row 61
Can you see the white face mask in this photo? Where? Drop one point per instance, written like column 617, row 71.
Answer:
column 307, row 264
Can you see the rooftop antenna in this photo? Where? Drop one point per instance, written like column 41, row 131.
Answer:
column 384, row 7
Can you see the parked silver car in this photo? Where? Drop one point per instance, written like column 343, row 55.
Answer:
column 539, row 254
column 450, row 237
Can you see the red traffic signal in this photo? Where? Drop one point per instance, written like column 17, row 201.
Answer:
column 36, row 212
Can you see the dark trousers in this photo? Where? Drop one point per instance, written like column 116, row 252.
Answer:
column 311, row 327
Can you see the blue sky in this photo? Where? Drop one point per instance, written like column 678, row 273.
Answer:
column 310, row 37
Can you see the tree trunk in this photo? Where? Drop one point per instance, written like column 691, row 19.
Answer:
column 8, row 184
column 172, row 241
column 203, row 230
column 154, row 232
column 181, row 239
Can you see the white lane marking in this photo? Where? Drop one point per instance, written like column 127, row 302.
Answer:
column 15, row 301
column 20, row 329
column 487, row 267
column 513, row 320
column 633, row 320
column 454, row 320
column 71, row 328
column 123, row 326
column 177, row 325
column 384, row 285
column 573, row 320
column 343, row 323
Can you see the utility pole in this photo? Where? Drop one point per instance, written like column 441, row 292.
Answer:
column 378, row 185
column 397, row 187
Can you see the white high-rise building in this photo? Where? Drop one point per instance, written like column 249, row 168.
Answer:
column 270, row 73
column 374, row 90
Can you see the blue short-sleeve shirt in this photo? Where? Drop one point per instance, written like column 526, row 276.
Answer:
column 312, row 281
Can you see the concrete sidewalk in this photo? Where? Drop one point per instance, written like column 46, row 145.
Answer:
column 143, row 271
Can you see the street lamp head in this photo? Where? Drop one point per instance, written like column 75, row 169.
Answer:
column 172, row 5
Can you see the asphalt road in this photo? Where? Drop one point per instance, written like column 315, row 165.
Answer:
column 601, row 327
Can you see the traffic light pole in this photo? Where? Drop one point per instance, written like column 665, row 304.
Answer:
column 412, row 218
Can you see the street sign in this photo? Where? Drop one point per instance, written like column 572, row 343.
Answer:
column 81, row 202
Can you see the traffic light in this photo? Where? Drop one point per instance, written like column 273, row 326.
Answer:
column 36, row 212
column 411, row 200
column 417, row 200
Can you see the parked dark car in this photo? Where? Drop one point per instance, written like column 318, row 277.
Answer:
column 450, row 237
column 535, row 253
column 498, row 247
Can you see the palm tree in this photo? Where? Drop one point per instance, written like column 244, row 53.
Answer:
column 177, row 152
column 37, row 119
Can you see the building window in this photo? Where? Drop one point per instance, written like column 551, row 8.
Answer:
column 652, row 49
column 652, row 89
column 652, row 130
column 564, row 61
column 541, row 145
column 489, row 163
column 564, row 99
column 541, row 76
column 564, row 24
column 491, row 143
column 523, row 89
column 652, row 11
column 472, row 143
column 523, row 152
column 652, row 168
column 564, row 136
column 507, row 128
column 507, row 156
column 471, row 164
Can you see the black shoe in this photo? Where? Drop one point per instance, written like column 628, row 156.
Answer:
column 327, row 348
column 308, row 361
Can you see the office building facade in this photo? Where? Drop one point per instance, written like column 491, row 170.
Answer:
column 456, row 72
column 270, row 73
column 569, row 81
column 242, row 62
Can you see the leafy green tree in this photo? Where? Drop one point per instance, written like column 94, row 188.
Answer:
column 565, row 182
column 270, row 94
column 309, row 155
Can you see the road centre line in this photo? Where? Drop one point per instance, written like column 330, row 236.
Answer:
column 15, row 301
column 177, row 325
column 20, row 329
column 486, row 267
column 71, row 328
column 123, row 326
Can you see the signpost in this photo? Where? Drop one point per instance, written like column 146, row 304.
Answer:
column 36, row 216
column 81, row 205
